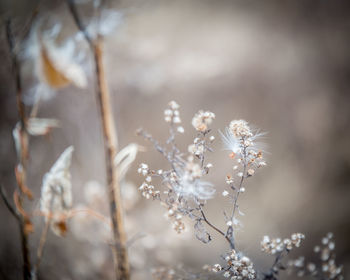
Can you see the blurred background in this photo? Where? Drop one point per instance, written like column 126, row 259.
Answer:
column 281, row 65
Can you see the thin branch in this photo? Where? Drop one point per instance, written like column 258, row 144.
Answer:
column 119, row 250
column 24, row 151
column 276, row 266
column 78, row 22
column 40, row 249
column 210, row 224
column 7, row 203
column 230, row 231
column 216, row 229
column 110, row 145
column 235, row 203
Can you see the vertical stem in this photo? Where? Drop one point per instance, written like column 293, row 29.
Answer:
column 110, row 145
column 24, row 153
column 40, row 249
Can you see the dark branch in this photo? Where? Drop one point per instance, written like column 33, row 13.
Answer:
column 78, row 22
column 7, row 203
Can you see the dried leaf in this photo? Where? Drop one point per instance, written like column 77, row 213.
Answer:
column 38, row 126
column 59, row 227
column 56, row 192
column 57, row 67
column 50, row 74
column 201, row 232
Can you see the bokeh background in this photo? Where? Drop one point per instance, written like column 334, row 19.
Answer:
column 281, row 65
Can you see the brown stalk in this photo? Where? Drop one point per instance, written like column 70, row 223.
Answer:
column 40, row 250
column 121, row 263
column 110, row 145
column 21, row 177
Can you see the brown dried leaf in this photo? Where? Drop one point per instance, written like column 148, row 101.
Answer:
column 28, row 226
column 52, row 76
column 59, row 227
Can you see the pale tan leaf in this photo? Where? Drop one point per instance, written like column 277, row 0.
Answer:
column 39, row 126
column 125, row 158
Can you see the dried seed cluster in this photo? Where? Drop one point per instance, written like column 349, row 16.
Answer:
column 237, row 267
column 326, row 268
column 276, row 245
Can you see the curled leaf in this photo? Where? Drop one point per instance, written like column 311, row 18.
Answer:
column 57, row 68
column 201, row 232
column 125, row 158
column 49, row 72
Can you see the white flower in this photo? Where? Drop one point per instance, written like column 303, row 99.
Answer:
column 202, row 120
column 240, row 128
column 180, row 129
column 225, row 193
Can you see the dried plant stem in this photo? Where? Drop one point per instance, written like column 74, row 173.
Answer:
column 216, row 229
column 40, row 249
column 121, row 263
column 21, row 180
column 8, row 204
column 230, row 230
column 110, row 145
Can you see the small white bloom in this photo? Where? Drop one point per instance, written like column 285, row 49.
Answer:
column 202, row 120
column 225, row 193
column 180, row 129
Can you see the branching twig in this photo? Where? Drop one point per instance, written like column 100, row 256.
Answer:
column 216, row 229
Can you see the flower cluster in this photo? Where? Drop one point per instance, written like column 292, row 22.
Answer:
column 172, row 116
column 186, row 191
column 241, row 140
column 277, row 245
column 240, row 129
column 237, row 267
column 148, row 191
column 327, row 268
column 202, row 120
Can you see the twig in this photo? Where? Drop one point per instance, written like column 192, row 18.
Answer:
column 276, row 266
column 121, row 263
column 215, row 228
column 7, row 203
column 24, row 151
column 229, row 232
column 78, row 22
column 110, row 144
column 40, row 249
